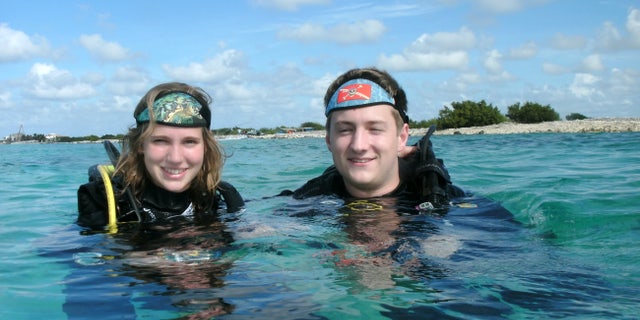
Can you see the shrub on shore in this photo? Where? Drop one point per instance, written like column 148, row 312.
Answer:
column 575, row 116
column 531, row 112
column 468, row 114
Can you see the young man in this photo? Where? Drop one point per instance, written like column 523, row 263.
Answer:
column 367, row 131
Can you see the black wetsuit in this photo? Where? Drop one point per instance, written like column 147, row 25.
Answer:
column 411, row 188
column 154, row 204
column 423, row 179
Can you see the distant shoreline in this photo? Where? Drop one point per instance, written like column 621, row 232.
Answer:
column 574, row 126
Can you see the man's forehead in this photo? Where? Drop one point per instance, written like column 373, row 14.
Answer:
column 375, row 113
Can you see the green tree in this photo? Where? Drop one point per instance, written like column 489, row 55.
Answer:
column 468, row 114
column 422, row 123
column 112, row 137
column 224, row 131
column 313, row 125
column 575, row 116
column 531, row 112
column 40, row 137
column 267, row 131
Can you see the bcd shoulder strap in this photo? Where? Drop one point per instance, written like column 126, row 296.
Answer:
column 433, row 178
column 231, row 196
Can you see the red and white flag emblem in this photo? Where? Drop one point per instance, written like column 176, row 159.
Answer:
column 358, row 91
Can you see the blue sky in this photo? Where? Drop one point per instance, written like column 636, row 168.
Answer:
column 79, row 67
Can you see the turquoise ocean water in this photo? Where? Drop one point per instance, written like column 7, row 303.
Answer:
column 569, row 248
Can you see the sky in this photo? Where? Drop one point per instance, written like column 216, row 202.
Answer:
column 79, row 68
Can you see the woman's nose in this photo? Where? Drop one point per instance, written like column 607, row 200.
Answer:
column 174, row 154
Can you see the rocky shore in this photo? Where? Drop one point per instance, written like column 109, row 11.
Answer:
column 575, row 126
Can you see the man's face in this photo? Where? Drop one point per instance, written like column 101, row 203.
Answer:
column 365, row 143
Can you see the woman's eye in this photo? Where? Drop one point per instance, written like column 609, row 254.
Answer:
column 191, row 142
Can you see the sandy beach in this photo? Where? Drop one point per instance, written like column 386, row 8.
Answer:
column 575, row 126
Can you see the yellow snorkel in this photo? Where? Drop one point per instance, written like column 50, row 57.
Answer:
column 105, row 172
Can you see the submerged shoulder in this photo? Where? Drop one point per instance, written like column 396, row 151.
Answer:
column 329, row 182
column 231, row 196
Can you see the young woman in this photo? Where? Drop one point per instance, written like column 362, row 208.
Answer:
column 170, row 167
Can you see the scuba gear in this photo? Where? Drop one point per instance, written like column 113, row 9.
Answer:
column 114, row 155
column 103, row 202
column 424, row 178
column 432, row 176
column 231, row 196
column 105, row 172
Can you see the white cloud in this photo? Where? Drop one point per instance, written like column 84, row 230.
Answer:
column 226, row 65
column 610, row 39
column 239, row 92
column 584, row 86
column 424, row 61
column 16, row 45
column 472, row 78
column 624, row 81
column 5, row 100
column 500, row 6
column 123, row 103
column 633, row 26
column 567, row 42
column 464, row 39
column 357, row 32
column 492, row 62
column 104, row 50
column 45, row 81
column 500, row 77
column 306, row 33
column 552, row 68
column 93, row 78
column 129, row 80
column 526, row 51
column 289, row 5
column 438, row 51
column 592, row 63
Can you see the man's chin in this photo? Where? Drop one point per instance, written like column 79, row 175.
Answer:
column 361, row 184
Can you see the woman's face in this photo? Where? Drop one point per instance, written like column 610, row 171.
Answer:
column 173, row 156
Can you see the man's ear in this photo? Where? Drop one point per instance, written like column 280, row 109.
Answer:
column 403, row 137
column 327, row 140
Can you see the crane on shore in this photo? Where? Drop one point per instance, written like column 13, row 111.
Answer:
column 15, row 137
